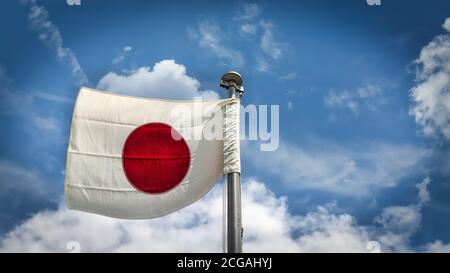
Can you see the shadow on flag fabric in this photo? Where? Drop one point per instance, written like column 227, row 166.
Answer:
column 138, row 158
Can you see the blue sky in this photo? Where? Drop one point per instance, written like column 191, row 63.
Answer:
column 363, row 94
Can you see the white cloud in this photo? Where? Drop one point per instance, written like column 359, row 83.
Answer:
column 166, row 79
column 50, row 35
column 193, row 229
column 124, row 53
column 347, row 171
column 268, row 227
column 325, row 232
column 401, row 222
column 446, row 24
column 268, row 43
column 431, row 95
column 438, row 246
column 424, row 194
column 209, row 36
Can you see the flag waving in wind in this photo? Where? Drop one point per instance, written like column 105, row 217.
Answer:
column 138, row 158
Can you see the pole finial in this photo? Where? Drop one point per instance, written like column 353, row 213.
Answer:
column 232, row 79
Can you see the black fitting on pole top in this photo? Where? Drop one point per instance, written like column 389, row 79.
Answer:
column 233, row 79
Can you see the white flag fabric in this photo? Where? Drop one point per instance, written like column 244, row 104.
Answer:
column 137, row 158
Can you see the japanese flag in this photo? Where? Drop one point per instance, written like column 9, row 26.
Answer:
column 132, row 158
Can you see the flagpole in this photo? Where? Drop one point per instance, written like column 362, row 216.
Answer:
column 232, row 81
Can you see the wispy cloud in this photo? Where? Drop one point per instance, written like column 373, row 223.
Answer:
column 258, row 33
column 246, row 29
column 210, row 37
column 352, row 100
column 50, row 35
column 348, row 171
column 46, row 124
column 15, row 177
column 342, row 99
column 262, row 65
column 51, row 97
column 13, row 102
column 289, row 76
column 24, row 190
column 268, row 43
column 290, row 105
column 247, row 11
column 4, row 79
column 124, row 53
column 10, row 101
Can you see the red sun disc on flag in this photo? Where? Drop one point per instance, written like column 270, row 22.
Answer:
column 155, row 158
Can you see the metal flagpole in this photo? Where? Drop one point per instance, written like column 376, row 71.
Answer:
column 232, row 81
